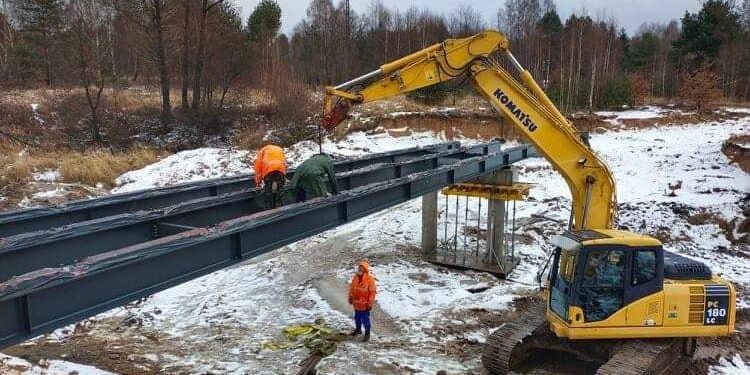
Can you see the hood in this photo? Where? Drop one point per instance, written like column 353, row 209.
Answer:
column 365, row 265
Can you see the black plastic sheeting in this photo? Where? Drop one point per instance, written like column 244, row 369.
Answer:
column 37, row 218
column 36, row 280
column 63, row 245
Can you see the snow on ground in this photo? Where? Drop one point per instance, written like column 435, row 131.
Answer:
column 437, row 290
column 737, row 109
column 56, row 192
column 205, row 163
column 185, row 166
column 358, row 144
column 634, row 114
column 734, row 366
column 644, row 163
column 218, row 322
column 16, row 366
column 49, row 175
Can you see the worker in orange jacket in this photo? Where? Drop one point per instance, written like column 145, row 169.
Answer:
column 362, row 297
column 270, row 173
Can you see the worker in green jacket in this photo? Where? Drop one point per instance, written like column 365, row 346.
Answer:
column 311, row 178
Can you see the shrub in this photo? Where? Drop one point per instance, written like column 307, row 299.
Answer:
column 699, row 88
column 640, row 89
column 616, row 93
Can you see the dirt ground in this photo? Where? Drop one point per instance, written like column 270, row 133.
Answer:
column 484, row 123
column 710, row 350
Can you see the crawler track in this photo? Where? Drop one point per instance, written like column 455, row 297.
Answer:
column 514, row 342
column 502, row 350
column 638, row 357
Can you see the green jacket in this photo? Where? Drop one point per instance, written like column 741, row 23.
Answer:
column 312, row 176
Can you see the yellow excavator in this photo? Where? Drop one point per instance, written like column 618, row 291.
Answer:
column 613, row 298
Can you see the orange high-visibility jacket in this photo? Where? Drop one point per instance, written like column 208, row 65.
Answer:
column 269, row 159
column 362, row 291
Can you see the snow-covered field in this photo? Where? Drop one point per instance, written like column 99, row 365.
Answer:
column 426, row 318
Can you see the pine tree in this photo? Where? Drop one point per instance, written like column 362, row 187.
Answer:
column 264, row 22
column 41, row 21
column 704, row 33
column 263, row 26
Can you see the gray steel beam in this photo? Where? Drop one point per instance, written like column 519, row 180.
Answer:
column 61, row 246
column 39, row 218
column 46, row 299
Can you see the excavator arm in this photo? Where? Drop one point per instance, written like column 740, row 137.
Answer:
column 523, row 102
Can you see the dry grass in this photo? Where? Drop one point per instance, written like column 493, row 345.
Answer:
column 103, row 167
column 90, row 168
column 17, row 166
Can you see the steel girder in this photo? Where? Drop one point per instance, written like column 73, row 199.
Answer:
column 64, row 245
column 39, row 218
column 45, row 299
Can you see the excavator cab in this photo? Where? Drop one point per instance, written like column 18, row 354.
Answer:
column 609, row 284
column 594, row 275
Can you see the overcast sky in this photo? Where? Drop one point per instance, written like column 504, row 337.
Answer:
column 629, row 14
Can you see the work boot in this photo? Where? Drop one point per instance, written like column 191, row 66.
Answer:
column 367, row 336
column 356, row 332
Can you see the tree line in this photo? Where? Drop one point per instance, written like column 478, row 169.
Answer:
column 582, row 62
column 203, row 49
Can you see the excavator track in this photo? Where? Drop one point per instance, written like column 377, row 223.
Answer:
column 652, row 357
column 502, row 350
column 514, row 342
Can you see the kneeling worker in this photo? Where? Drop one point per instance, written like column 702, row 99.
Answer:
column 270, row 173
column 312, row 176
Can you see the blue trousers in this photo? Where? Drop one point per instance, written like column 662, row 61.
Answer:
column 362, row 318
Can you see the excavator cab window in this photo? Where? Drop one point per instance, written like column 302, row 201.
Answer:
column 602, row 286
column 562, row 276
column 644, row 267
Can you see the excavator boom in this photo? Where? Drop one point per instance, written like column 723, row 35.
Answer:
column 523, row 102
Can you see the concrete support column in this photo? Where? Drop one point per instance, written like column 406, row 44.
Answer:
column 429, row 223
column 497, row 215
column 496, row 235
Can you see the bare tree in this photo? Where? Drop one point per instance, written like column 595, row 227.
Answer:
column 89, row 29
column 7, row 39
column 185, row 60
column 152, row 16
column 466, row 21
column 229, row 52
column 206, row 7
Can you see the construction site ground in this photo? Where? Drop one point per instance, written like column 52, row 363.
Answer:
column 675, row 181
